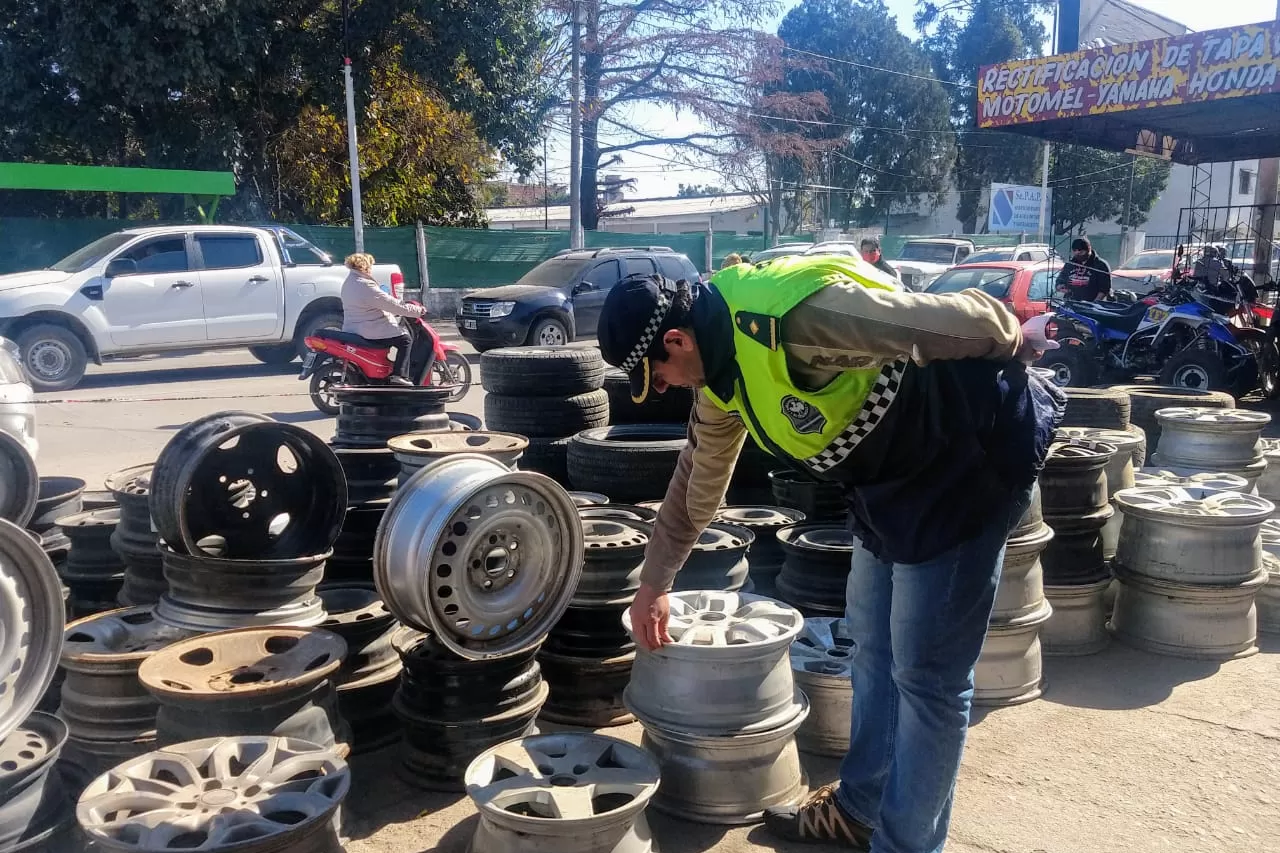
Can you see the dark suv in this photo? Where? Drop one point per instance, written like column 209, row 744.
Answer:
column 559, row 300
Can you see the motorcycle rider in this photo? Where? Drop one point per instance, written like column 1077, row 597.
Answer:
column 370, row 312
column 1086, row 277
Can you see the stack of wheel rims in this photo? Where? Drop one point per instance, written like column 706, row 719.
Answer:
column 93, row 571
column 1009, row 669
column 1073, row 491
column 35, row 811
column 109, row 714
column 587, row 658
column 765, row 556
column 57, row 498
column 246, row 793
column 548, row 394
column 370, row 673
column 1120, row 471
column 817, row 559
column 248, row 510
column 481, row 562
column 1215, row 441
column 135, row 538
column 418, row 449
column 562, row 793
column 1268, row 602
column 1190, row 569
column 718, row 560
column 819, row 500
column 1146, row 400
column 822, row 662
column 720, row 707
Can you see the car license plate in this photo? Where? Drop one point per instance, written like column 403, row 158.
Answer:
column 309, row 361
column 468, row 324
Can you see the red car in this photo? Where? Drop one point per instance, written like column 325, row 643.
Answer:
column 1025, row 286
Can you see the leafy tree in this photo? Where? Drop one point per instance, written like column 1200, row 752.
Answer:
column 1089, row 184
column 694, row 56
column 962, row 36
column 698, row 190
column 889, row 130
column 224, row 85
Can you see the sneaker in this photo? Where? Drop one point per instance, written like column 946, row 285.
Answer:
column 819, row 820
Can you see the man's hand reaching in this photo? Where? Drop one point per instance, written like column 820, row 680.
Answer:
column 650, row 612
column 1035, row 341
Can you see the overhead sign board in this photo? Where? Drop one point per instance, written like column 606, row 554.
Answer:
column 1014, row 208
column 1234, row 62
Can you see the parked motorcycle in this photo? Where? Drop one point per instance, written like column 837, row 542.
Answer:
column 1173, row 333
column 341, row 358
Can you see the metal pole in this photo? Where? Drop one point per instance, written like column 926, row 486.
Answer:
column 546, row 211
column 1265, row 197
column 575, row 134
column 424, row 277
column 1128, row 201
column 1044, row 197
column 353, row 151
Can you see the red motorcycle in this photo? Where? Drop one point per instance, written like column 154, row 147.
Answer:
column 341, row 358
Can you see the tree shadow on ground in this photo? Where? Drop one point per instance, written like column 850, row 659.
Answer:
column 1120, row 678
column 380, row 796
column 675, row 835
column 172, row 375
column 457, row 839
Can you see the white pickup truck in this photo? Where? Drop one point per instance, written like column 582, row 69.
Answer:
column 182, row 287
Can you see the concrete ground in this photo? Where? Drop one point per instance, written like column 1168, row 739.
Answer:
column 1126, row 752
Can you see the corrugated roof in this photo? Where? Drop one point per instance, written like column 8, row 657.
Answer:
column 1105, row 22
column 638, row 209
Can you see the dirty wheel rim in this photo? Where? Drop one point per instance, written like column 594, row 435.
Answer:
column 31, row 625
column 19, row 482
column 562, row 784
column 49, row 359
column 501, row 552
column 240, row 793
column 822, row 661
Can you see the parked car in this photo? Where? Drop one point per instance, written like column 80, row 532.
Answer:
column 924, row 259
column 1021, row 252
column 560, row 299
column 1147, row 270
column 149, row 290
column 17, row 400
column 780, row 251
column 1024, row 286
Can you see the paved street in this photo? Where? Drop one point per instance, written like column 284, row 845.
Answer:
column 1126, row 752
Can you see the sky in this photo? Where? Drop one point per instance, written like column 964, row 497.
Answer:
column 657, row 176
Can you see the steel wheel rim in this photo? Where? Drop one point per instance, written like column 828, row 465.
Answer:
column 49, row 359
column 591, row 498
column 558, row 783
column 551, row 335
column 822, row 661
column 19, row 481
column 241, row 793
column 31, row 625
column 503, row 553
column 1191, row 376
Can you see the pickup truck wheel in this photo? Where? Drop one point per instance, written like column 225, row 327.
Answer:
column 311, row 324
column 54, row 358
column 276, row 354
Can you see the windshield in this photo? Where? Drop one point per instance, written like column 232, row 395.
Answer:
column 930, row 253
column 992, row 282
column 82, row 259
column 557, row 272
column 989, row 255
column 776, row 252
column 1149, row 261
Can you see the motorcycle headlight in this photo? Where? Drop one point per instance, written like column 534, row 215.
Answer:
column 501, row 309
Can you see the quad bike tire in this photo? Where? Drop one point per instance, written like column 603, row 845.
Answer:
column 1072, row 366
column 541, row 371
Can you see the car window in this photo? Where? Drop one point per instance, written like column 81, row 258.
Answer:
column 962, row 253
column 1041, row 288
column 1149, row 261
column 670, row 267
column 556, row 272
column 637, row 266
column 229, row 251
column 161, row 255
column 989, row 255
column 81, row 259
column 604, row 276
column 932, row 253
column 994, row 282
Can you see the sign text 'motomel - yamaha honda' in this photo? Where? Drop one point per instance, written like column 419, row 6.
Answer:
column 1227, row 63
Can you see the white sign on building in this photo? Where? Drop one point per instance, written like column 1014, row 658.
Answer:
column 1015, row 208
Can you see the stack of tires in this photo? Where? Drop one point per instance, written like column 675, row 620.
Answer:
column 670, row 407
column 1111, row 409
column 548, row 394
column 631, row 462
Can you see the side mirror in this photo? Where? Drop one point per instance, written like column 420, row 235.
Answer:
column 583, row 287
column 121, row 266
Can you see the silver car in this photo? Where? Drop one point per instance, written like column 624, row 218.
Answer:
column 17, row 400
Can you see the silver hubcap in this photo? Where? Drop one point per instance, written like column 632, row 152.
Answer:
column 551, row 335
column 49, row 359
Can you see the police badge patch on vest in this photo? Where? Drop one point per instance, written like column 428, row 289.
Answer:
column 805, row 417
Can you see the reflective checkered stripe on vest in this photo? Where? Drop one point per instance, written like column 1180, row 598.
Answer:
column 818, row 428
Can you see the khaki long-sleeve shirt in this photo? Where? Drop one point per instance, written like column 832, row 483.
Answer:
column 840, row 327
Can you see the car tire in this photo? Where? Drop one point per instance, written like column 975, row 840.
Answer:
column 546, row 417
column 630, row 463
column 547, row 456
column 276, row 355
column 1101, row 408
column 542, row 371
column 312, row 323
column 669, row 407
column 548, row 332
column 53, row 357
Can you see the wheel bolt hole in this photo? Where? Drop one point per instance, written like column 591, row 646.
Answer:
column 564, row 781
column 579, row 769
column 546, row 769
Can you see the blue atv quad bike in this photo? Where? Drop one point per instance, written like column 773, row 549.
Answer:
column 1177, row 336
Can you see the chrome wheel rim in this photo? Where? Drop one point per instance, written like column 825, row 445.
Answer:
column 31, row 625
column 485, row 558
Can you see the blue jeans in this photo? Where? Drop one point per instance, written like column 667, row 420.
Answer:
column 918, row 631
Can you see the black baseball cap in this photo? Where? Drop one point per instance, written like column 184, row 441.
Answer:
column 631, row 326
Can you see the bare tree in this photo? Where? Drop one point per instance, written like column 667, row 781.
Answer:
column 694, row 56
